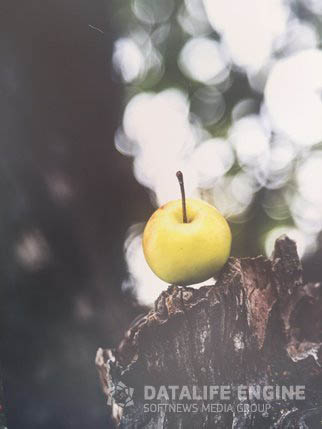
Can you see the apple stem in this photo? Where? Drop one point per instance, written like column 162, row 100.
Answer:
column 183, row 196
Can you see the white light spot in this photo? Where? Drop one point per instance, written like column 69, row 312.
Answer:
column 232, row 196
column 59, row 186
column 244, row 108
column 298, row 36
column 293, row 97
column 153, row 11
column 249, row 28
column 209, row 105
column 251, row 141
column 83, row 308
column 306, row 215
column 202, row 59
column 275, row 205
column 33, row 251
column 212, row 159
column 282, row 154
column 306, row 205
column 243, row 189
column 128, row 59
column 191, row 25
column 309, row 178
column 147, row 285
column 314, row 6
column 196, row 9
column 123, row 144
column 160, row 126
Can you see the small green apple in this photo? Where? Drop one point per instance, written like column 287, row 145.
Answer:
column 186, row 241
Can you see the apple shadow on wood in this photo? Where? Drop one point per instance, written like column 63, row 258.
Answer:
column 258, row 325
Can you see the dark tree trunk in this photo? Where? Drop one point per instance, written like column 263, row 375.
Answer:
column 259, row 325
column 2, row 405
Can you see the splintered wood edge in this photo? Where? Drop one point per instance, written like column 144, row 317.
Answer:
column 102, row 362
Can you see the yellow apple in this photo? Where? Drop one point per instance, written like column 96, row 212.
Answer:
column 186, row 252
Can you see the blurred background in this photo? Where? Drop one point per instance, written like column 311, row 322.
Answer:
column 113, row 98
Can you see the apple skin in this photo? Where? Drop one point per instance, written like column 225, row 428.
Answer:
column 186, row 253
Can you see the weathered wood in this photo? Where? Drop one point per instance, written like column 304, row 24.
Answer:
column 258, row 325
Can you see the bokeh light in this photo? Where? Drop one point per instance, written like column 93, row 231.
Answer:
column 236, row 105
column 159, row 124
column 251, row 141
column 128, row 59
column 249, row 28
column 32, row 250
column 193, row 19
column 150, row 286
column 211, row 160
column 153, row 11
column 201, row 59
column 314, row 6
column 293, row 97
column 208, row 104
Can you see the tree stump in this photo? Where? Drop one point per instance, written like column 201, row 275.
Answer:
column 257, row 329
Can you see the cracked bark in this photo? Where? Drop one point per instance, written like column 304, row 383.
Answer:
column 258, row 325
